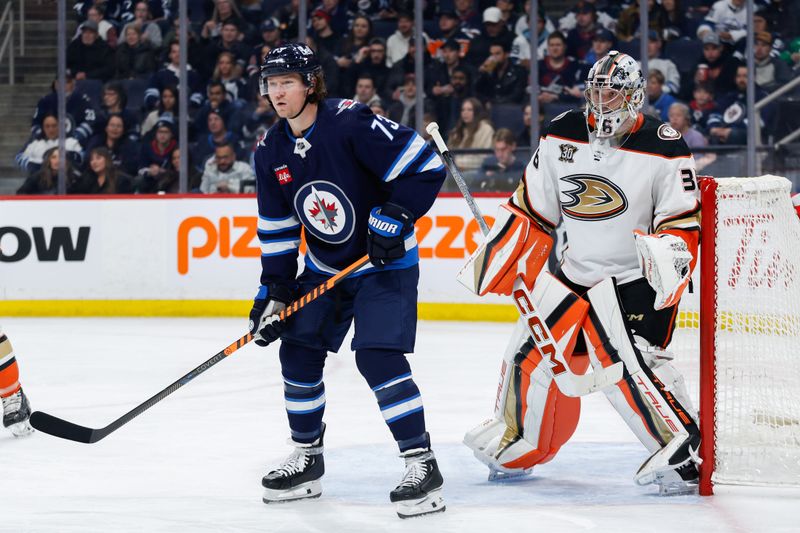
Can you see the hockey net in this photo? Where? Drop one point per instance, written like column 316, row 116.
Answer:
column 737, row 339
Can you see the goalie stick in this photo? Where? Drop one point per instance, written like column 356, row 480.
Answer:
column 52, row 425
column 568, row 382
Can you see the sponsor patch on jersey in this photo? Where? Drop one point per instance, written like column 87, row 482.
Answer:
column 668, row 133
column 325, row 211
column 567, row 152
column 283, row 174
column 593, row 198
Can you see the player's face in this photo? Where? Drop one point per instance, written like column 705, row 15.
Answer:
column 288, row 94
column 605, row 99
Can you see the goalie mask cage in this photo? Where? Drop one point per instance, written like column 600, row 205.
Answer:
column 738, row 337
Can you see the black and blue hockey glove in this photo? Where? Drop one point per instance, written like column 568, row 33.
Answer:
column 265, row 325
column 387, row 229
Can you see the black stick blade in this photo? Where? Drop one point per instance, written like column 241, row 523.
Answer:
column 57, row 427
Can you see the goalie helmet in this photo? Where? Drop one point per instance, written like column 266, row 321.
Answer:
column 614, row 92
column 292, row 58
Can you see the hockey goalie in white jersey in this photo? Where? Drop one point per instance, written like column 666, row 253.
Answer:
column 624, row 186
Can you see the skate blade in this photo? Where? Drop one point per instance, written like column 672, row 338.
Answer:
column 676, row 488
column 430, row 504
column 21, row 429
column 305, row 491
column 499, row 476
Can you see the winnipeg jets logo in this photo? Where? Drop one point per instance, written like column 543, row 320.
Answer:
column 301, row 146
column 344, row 105
column 567, row 152
column 325, row 211
column 593, row 198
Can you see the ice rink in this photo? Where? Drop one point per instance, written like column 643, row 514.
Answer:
column 194, row 462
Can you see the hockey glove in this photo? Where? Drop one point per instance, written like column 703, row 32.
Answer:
column 387, row 229
column 265, row 324
column 664, row 260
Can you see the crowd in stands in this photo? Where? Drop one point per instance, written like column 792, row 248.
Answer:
column 122, row 95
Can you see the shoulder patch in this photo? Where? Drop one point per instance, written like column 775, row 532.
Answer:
column 668, row 133
column 559, row 117
column 344, row 105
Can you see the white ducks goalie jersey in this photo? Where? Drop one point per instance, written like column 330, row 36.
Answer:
column 604, row 192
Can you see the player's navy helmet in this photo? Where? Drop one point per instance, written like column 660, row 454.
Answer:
column 292, row 58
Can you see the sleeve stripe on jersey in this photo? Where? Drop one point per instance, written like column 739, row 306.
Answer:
column 686, row 219
column 272, row 225
column 278, row 247
column 520, row 199
column 409, row 154
column 434, row 162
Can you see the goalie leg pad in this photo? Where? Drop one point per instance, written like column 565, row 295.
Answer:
column 650, row 408
column 533, row 419
column 513, row 246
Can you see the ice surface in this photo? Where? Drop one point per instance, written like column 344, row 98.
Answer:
column 194, row 462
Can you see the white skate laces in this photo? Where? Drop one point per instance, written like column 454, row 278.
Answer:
column 416, row 467
column 12, row 404
column 298, row 460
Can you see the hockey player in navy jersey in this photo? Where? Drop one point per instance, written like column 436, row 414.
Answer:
column 356, row 182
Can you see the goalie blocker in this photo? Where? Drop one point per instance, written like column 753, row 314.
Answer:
column 533, row 418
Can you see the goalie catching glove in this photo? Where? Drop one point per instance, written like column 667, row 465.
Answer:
column 265, row 323
column 387, row 230
column 665, row 262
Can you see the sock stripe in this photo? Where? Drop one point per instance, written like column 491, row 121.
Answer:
column 392, row 382
column 7, row 361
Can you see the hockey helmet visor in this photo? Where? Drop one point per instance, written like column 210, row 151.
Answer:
column 292, row 58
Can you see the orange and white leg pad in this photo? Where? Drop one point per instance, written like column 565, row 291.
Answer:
column 648, row 400
column 532, row 418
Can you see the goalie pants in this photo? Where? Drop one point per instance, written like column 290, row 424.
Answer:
column 383, row 307
column 637, row 302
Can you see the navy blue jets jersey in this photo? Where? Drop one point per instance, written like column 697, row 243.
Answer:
column 348, row 162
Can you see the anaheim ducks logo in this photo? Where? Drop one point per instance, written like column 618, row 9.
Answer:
column 593, row 198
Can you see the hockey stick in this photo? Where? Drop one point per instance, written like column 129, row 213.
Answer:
column 58, row 427
column 568, row 382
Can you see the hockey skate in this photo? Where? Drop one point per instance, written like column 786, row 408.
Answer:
column 420, row 491
column 298, row 476
column 16, row 414
column 673, row 468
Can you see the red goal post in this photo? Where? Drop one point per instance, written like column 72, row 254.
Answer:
column 738, row 336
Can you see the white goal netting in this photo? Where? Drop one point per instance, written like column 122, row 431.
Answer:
column 756, row 332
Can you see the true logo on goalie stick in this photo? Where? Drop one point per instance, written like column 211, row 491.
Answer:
column 593, row 198
column 567, row 152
